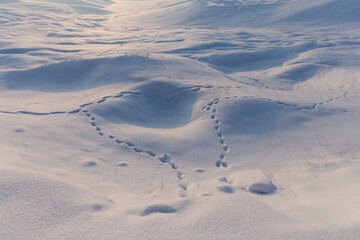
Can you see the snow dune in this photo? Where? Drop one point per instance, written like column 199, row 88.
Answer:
column 182, row 119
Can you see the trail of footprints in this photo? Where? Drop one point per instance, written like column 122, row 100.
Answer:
column 194, row 88
column 212, row 108
column 164, row 158
column 225, row 149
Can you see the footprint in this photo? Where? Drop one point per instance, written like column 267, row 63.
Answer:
column 90, row 164
column 226, row 189
column 118, row 96
column 58, row 112
column 159, row 208
column 19, row 130
column 74, row 111
column 138, row 150
column 223, row 179
column 206, row 194
column 97, row 207
column 130, row 144
column 7, row 112
column 173, row 166
column 86, row 104
column 221, row 164
column 33, row 113
column 224, row 164
column 218, row 164
column 183, row 186
column 165, row 158
column 151, row 154
column 123, row 164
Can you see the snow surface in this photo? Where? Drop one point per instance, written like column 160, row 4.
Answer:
column 181, row 119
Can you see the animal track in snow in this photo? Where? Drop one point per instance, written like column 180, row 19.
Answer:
column 211, row 107
column 226, row 189
column 160, row 208
column 163, row 158
column 290, row 105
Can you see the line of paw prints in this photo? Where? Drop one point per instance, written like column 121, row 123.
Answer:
column 163, row 158
column 211, row 107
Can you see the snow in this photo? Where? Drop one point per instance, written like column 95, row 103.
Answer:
column 181, row 119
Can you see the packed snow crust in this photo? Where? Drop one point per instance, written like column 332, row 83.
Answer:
column 181, row 119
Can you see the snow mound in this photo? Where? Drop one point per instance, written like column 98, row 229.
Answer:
column 325, row 68
column 255, row 181
column 289, row 75
column 261, row 187
column 333, row 80
column 77, row 75
column 261, row 116
column 154, row 104
column 256, row 13
column 322, row 12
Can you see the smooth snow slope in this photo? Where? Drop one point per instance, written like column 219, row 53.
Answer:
column 181, row 119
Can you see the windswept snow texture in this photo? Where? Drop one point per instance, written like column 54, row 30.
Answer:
column 181, row 119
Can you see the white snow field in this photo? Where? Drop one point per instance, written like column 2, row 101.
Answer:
column 179, row 119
